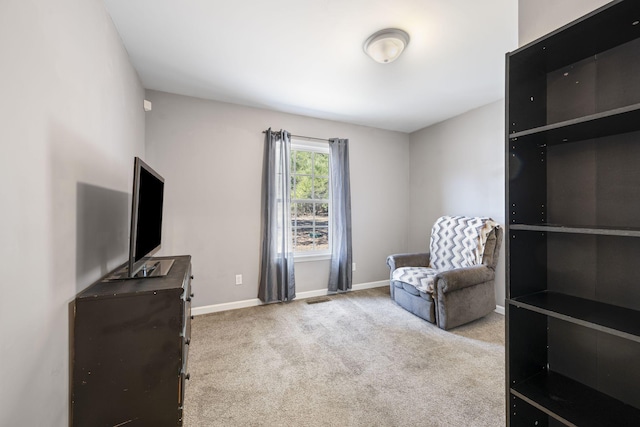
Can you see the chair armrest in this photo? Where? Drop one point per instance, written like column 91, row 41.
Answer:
column 408, row 260
column 460, row 278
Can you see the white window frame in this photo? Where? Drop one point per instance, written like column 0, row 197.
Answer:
column 317, row 147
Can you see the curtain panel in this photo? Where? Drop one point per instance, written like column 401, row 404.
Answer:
column 341, row 255
column 277, row 281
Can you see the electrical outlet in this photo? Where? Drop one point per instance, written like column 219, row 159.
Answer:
column 353, row 268
column 238, row 279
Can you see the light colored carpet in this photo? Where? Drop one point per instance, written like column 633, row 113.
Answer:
column 356, row 360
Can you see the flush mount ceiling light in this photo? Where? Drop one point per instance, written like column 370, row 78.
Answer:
column 386, row 45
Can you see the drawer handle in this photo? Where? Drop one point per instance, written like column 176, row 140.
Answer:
column 187, row 377
column 192, row 277
column 187, row 341
column 192, row 317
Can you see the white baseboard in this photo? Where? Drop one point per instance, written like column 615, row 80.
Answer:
column 197, row 311
column 370, row 285
column 215, row 308
column 499, row 309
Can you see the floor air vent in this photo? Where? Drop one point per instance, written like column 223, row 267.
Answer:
column 318, row 300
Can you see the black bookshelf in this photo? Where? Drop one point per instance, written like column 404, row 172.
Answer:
column 573, row 208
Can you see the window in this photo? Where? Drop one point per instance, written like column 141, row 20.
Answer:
column 310, row 198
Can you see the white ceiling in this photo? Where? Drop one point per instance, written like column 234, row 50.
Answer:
column 306, row 57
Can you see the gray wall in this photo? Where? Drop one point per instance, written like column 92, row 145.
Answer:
column 457, row 168
column 72, row 120
column 210, row 154
column 539, row 17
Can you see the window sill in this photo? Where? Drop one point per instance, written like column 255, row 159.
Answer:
column 311, row 257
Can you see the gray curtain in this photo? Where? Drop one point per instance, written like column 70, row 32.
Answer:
column 341, row 256
column 277, row 282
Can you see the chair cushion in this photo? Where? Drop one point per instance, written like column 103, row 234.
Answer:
column 458, row 241
column 419, row 278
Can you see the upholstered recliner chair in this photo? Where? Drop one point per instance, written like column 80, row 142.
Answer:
column 453, row 283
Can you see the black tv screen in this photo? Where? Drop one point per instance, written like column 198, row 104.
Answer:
column 146, row 215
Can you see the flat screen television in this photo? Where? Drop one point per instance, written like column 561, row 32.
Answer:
column 146, row 222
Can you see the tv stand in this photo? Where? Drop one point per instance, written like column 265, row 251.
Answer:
column 154, row 267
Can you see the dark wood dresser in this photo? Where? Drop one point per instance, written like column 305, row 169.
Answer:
column 130, row 347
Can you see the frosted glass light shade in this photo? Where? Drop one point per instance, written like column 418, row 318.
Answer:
column 386, row 45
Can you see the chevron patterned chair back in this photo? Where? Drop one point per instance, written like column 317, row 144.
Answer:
column 458, row 241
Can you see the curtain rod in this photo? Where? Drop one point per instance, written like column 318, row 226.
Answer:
column 301, row 136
